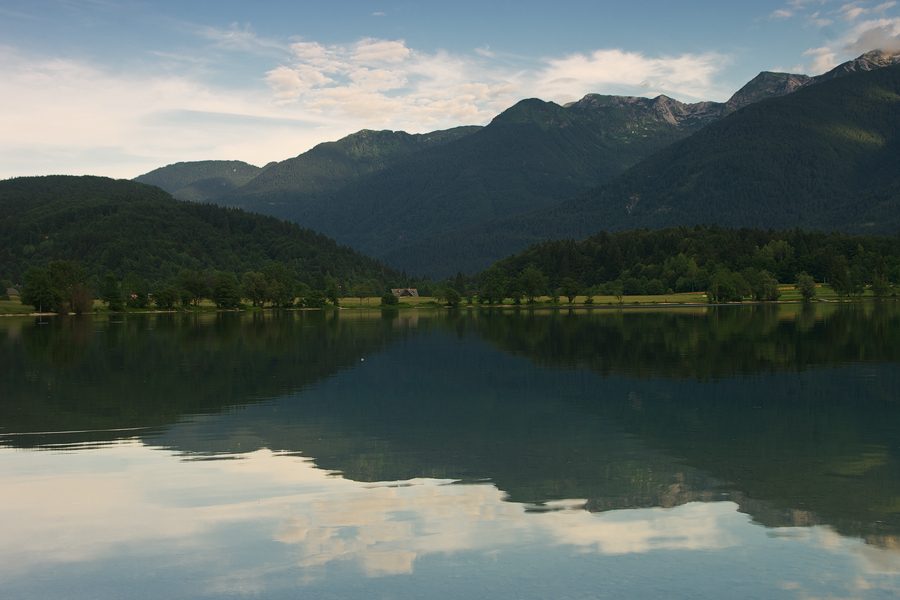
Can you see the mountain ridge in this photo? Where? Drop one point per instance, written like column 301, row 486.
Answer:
column 535, row 155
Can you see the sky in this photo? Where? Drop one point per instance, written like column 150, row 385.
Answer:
column 120, row 87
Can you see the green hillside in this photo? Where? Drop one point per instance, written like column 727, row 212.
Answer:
column 377, row 190
column 532, row 155
column 821, row 158
column 824, row 157
column 121, row 227
column 294, row 184
column 201, row 181
column 280, row 189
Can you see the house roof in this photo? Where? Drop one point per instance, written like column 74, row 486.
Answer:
column 405, row 292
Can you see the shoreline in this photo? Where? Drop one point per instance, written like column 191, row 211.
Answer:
column 542, row 306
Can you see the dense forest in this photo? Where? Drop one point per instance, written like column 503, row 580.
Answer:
column 123, row 228
column 745, row 262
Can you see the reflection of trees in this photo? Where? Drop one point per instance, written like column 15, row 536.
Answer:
column 63, row 374
column 741, row 400
column 699, row 343
column 738, row 399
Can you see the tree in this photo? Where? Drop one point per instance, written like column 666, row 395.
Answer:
column 225, row 291
column 194, row 283
column 282, row 286
column 763, row 286
column 491, row 286
column 314, row 299
column 111, row 294
column 332, row 293
column 166, row 298
column 570, row 289
column 389, row 299
column 362, row 290
column 66, row 277
column 39, row 291
column 451, row 296
column 59, row 288
column 533, row 283
column 839, row 275
column 82, row 298
column 721, row 287
column 254, row 288
column 136, row 291
column 514, row 290
column 807, row 287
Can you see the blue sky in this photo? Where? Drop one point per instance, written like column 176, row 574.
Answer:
column 120, row 87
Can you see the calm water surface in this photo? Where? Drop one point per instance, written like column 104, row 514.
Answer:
column 742, row 452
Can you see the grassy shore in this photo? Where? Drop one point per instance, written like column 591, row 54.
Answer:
column 788, row 295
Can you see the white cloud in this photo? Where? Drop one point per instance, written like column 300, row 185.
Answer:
column 64, row 115
column 781, row 13
column 817, row 21
column 862, row 28
column 880, row 34
column 850, row 12
column 72, row 117
column 238, row 38
column 385, row 83
column 685, row 77
column 371, row 50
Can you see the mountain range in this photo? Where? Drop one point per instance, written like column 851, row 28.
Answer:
column 785, row 151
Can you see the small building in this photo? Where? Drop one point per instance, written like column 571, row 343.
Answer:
column 405, row 292
column 12, row 292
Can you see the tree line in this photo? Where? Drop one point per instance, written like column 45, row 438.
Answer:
column 63, row 287
column 728, row 264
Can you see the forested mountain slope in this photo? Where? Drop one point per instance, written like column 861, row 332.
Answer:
column 531, row 155
column 430, row 203
column 120, row 227
column 201, row 181
column 279, row 188
column 822, row 158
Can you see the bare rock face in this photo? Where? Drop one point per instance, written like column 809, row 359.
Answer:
column 661, row 108
column 763, row 86
column 766, row 85
column 867, row 62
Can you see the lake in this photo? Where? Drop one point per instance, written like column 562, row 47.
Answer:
column 694, row 452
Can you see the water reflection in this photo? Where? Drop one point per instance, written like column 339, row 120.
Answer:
column 607, row 433
column 267, row 523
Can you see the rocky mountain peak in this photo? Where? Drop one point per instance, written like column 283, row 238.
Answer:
column 661, row 108
column 867, row 62
column 766, row 85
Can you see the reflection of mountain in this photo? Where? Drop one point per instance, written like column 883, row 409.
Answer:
column 95, row 377
column 785, row 418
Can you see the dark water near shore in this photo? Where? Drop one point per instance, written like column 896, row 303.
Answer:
column 749, row 452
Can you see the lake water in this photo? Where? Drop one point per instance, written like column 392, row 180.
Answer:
column 741, row 452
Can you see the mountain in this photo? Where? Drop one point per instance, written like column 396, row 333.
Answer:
column 532, row 155
column 378, row 190
column 279, row 187
column 821, row 158
column 432, row 203
column 201, row 181
column 121, row 226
